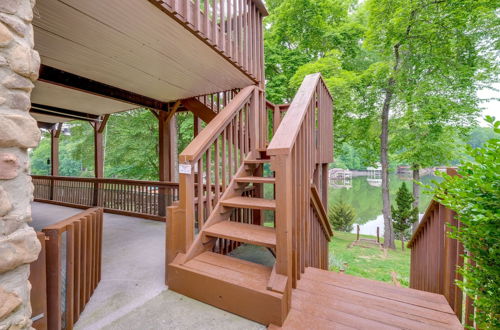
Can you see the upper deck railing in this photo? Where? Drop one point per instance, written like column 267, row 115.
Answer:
column 231, row 27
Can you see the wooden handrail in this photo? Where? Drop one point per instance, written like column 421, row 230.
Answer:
column 207, row 136
column 106, row 180
column 320, row 209
column 284, row 138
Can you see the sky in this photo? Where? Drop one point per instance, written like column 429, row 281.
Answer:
column 491, row 107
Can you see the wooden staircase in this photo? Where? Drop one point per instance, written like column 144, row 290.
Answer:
column 221, row 197
column 232, row 284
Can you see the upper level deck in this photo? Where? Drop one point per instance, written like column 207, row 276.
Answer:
column 100, row 57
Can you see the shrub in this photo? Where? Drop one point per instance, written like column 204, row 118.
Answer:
column 341, row 216
column 475, row 196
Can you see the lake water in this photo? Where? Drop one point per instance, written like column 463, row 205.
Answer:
column 365, row 196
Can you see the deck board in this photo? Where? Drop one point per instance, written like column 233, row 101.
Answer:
column 330, row 300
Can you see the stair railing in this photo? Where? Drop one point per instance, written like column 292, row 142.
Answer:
column 300, row 150
column 435, row 259
column 208, row 164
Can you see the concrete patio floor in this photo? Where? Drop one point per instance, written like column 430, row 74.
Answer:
column 132, row 293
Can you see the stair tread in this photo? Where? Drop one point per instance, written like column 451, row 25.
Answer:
column 257, row 161
column 243, row 232
column 232, row 270
column 255, row 179
column 250, row 203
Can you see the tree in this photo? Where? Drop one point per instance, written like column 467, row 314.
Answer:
column 341, row 216
column 441, row 54
column 475, row 197
column 437, row 54
column 404, row 215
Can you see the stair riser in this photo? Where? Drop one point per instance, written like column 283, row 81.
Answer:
column 264, row 306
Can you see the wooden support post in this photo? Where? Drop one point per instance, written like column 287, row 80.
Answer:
column 98, row 154
column 167, row 134
column 196, row 125
column 282, row 165
column 54, row 155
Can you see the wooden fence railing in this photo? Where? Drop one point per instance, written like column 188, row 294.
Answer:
column 73, row 266
column 146, row 199
column 435, row 258
column 231, row 27
column 212, row 159
column 300, row 151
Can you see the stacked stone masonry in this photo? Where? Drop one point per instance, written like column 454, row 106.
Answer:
column 19, row 66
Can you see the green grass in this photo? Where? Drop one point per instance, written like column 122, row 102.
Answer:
column 371, row 262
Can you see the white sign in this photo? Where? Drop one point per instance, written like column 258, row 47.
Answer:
column 184, row 168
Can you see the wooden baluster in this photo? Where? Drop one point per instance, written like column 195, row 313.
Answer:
column 224, row 155
column 69, row 291
column 206, row 18
column 222, row 25
column 241, row 141
column 200, row 193
column 208, row 181
column 217, row 169
column 229, row 26
column 196, row 19
column 215, row 33
column 235, row 145
column 230, row 153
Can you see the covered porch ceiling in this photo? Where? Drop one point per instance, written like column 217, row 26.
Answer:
column 129, row 45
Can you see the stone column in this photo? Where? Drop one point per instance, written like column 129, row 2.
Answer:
column 19, row 65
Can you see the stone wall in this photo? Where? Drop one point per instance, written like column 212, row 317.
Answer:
column 19, row 65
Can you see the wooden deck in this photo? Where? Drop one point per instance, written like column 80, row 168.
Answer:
column 329, row 300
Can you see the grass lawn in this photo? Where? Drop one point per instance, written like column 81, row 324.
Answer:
column 371, row 262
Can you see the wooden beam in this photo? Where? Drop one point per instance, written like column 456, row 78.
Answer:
column 102, row 124
column 155, row 113
column 69, row 80
column 167, row 153
column 199, row 109
column 99, row 147
column 54, row 155
column 61, row 112
column 196, row 125
column 167, row 143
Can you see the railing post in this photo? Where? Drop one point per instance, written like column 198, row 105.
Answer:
column 282, row 165
column 180, row 222
column 53, row 257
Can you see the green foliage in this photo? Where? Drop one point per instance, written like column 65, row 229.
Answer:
column 341, row 216
column 475, row 196
column 131, row 146
column 405, row 214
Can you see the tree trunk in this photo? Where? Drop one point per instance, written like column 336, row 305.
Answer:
column 384, row 142
column 402, row 244
column 416, row 192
